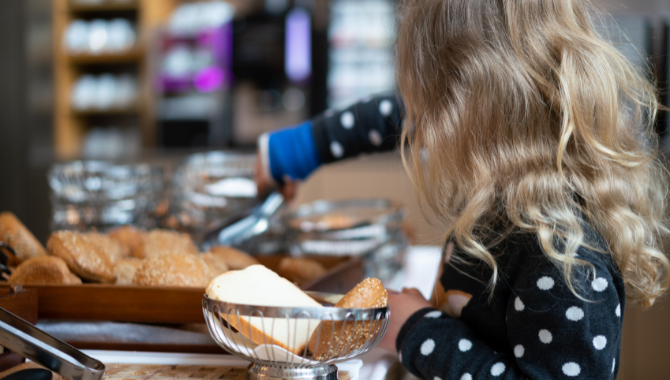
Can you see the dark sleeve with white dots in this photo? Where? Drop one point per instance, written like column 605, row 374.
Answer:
column 550, row 332
column 372, row 125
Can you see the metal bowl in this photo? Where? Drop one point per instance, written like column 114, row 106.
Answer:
column 337, row 334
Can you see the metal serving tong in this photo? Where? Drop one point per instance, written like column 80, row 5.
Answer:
column 244, row 232
column 32, row 343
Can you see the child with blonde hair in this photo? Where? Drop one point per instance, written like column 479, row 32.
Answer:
column 531, row 139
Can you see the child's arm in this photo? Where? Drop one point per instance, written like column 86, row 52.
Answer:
column 368, row 126
column 551, row 333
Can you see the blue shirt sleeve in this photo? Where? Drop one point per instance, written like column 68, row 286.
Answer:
column 369, row 126
column 292, row 152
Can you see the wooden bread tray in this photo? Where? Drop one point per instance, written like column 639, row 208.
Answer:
column 170, row 305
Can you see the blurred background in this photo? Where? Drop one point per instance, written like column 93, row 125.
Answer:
column 157, row 80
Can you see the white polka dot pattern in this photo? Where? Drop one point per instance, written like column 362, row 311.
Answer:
column 436, row 378
column 613, row 364
column 433, row 314
column 336, row 149
column 375, row 137
column 427, row 347
column 519, row 351
column 545, row 336
column 385, row 108
column 518, row 305
column 618, row 311
column 347, row 120
column 498, row 369
column 599, row 342
column 464, row 345
column 571, row 369
column 599, row 284
column 466, row 376
column 574, row 313
column 545, row 283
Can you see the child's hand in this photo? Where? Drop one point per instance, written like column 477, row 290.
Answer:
column 288, row 190
column 402, row 306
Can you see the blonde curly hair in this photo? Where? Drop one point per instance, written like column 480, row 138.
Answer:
column 520, row 113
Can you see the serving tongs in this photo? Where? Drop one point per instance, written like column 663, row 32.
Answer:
column 247, row 233
column 32, row 343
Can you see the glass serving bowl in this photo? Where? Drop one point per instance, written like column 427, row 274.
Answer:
column 98, row 195
column 211, row 189
column 368, row 228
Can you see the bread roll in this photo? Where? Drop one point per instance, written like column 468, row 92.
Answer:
column 336, row 222
column 47, row 270
column 82, row 257
column 336, row 339
column 16, row 235
column 173, row 269
column 130, row 238
column 216, row 264
column 162, row 242
column 257, row 285
column 125, row 270
column 106, row 246
column 235, row 259
column 300, row 270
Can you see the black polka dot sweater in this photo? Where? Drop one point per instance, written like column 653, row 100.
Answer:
column 372, row 125
column 531, row 327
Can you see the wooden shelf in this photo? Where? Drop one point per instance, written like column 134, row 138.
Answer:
column 104, row 7
column 109, row 112
column 71, row 125
column 129, row 56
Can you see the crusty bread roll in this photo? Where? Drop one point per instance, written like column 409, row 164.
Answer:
column 257, row 285
column 17, row 236
column 235, row 259
column 82, row 257
column 336, row 339
column 125, row 270
column 48, row 270
column 130, row 238
column 300, row 270
column 106, row 246
column 173, row 269
column 216, row 264
column 162, row 242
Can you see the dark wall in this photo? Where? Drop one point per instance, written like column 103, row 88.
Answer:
column 13, row 131
column 26, row 111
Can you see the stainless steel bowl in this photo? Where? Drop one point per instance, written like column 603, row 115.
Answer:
column 338, row 334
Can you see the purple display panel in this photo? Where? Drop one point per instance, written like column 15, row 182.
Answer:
column 211, row 78
column 298, row 53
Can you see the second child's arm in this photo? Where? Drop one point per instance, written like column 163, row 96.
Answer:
column 369, row 126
